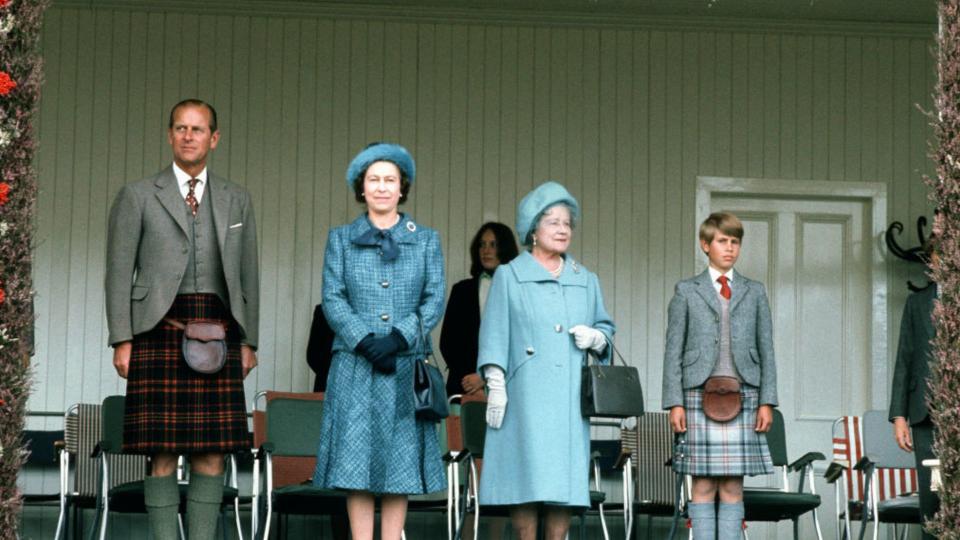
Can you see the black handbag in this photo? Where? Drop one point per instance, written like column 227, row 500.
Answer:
column 429, row 391
column 610, row 391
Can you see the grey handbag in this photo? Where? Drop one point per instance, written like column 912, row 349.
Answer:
column 610, row 391
column 204, row 344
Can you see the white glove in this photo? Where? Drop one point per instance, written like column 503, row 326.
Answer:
column 588, row 338
column 496, row 395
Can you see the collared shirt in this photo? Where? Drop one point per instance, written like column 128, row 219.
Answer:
column 715, row 275
column 183, row 182
column 484, row 289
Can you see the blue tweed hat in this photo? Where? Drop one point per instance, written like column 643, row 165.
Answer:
column 537, row 201
column 393, row 153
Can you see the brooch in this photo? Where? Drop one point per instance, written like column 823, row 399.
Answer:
column 411, row 226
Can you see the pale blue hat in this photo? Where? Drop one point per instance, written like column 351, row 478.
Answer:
column 537, row 202
column 393, row 153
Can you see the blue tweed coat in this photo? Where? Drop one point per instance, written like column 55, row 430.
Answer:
column 370, row 439
column 541, row 452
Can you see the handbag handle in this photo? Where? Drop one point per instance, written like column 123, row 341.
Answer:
column 615, row 355
column 422, row 343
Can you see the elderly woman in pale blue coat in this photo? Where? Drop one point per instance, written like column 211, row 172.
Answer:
column 383, row 288
column 543, row 316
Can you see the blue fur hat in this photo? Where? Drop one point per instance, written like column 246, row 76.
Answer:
column 393, row 153
column 538, row 201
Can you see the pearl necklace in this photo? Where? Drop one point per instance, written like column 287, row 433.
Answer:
column 558, row 270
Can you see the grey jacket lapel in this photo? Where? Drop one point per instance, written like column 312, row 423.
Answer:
column 706, row 290
column 739, row 290
column 220, row 194
column 171, row 199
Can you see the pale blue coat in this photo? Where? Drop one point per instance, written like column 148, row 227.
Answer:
column 541, row 452
column 370, row 439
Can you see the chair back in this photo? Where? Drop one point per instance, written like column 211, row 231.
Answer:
column 473, row 426
column 777, row 440
column 41, row 445
column 124, row 468
column 293, row 426
column 651, row 444
column 848, row 447
column 287, row 470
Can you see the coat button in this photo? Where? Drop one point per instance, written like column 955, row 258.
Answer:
column 184, row 250
column 384, row 284
column 716, row 340
column 385, row 317
column 530, row 351
column 558, row 328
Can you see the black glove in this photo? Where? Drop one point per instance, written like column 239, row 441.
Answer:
column 382, row 351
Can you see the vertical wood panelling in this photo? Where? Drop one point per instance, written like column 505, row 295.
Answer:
column 627, row 118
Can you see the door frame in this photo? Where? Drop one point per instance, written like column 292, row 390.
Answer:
column 873, row 192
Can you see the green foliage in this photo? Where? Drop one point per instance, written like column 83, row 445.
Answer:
column 945, row 380
column 20, row 80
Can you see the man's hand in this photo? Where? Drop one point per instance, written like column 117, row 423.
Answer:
column 678, row 419
column 121, row 358
column 764, row 419
column 471, row 383
column 901, row 432
column 248, row 359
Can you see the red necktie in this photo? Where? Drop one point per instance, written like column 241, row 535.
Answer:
column 724, row 288
column 191, row 198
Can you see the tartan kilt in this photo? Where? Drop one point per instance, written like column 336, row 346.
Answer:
column 730, row 448
column 172, row 409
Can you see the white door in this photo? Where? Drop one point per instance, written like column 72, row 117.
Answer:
column 814, row 256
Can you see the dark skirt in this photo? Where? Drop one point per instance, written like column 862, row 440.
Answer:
column 172, row 409
column 731, row 448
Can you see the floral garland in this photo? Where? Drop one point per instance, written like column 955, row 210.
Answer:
column 945, row 375
column 20, row 80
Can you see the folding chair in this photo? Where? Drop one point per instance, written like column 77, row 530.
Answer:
column 125, row 495
column 285, row 460
column 79, row 469
column 880, row 451
column 848, row 481
column 649, row 484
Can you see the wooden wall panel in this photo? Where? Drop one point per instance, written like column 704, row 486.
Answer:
column 627, row 117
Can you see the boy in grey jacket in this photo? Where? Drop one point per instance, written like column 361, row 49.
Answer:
column 719, row 325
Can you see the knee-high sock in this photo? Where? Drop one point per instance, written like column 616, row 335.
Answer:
column 703, row 516
column 730, row 521
column 161, row 496
column 203, row 505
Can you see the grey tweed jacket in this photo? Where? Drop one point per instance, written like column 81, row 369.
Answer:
column 147, row 253
column 693, row 337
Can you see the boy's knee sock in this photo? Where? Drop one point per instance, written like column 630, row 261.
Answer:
column 730, row 521
column 203, row 505
column 703, row 517
column 161, row 496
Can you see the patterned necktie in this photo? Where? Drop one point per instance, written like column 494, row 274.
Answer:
column 191, row 198
column 724, row 288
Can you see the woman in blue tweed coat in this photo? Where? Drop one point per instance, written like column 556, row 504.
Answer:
column 383, row 289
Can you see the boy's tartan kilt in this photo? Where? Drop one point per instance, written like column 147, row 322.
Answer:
column 172, row 409
column 730, row 448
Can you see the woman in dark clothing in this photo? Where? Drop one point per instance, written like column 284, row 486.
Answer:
column 493, row 245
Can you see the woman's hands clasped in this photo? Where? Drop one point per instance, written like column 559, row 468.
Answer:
column 586, row 338
column 382, row 351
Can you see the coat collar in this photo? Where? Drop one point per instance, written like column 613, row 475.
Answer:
column 526, row 268
column 404, row 232
column 707, row 290
column 172, row 200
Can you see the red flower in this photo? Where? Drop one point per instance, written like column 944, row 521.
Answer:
column 6, row 83
column 4, row 3
column 3, row 295
column 4, row 191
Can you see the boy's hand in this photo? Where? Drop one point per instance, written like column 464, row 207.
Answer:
column 764, row 418
column 678, row 419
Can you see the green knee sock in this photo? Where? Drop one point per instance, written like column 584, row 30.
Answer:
column 203, row 505
column 162, row 499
